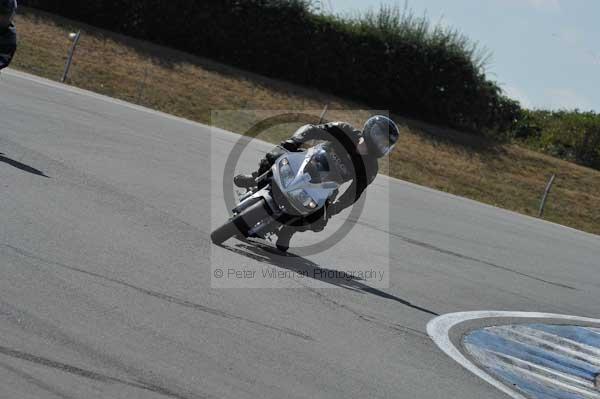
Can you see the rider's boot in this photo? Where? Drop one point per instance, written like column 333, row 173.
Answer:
column 283, row 238
column 245, row 181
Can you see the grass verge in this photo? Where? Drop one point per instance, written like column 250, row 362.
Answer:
column 507, row 176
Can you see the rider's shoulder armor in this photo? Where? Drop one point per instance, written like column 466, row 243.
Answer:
column 352, row 133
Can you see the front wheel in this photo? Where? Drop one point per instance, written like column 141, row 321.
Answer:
column 241, row 224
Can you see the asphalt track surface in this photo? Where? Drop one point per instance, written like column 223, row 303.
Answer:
column 105, row 270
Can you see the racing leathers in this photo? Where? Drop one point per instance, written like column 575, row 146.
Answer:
column 341, row 143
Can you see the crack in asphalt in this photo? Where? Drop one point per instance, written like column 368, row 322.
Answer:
column 465, row 257
column 368, row 318
column 36, row 381
column 393, row 326
column 166, row 297
column 48, row 331
column 265, row 257
column 92, row 375
column 301, row 265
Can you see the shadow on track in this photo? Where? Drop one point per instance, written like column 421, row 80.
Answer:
column 22, row 166
column 305, row 267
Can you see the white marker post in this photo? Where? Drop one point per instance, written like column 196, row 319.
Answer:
column 75, row 38
column 545, row 197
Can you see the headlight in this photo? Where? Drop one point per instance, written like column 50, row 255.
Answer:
column 302, row 197
column 285, row 172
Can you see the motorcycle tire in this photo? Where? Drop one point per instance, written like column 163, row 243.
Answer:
column 241, row 224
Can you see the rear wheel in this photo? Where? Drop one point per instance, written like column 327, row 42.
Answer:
column 241, row 224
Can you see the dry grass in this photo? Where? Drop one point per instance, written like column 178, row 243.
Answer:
column 504, row 175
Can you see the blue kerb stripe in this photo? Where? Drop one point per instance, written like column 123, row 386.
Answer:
column 574, row 333
column 532, row 388
column 487, row 340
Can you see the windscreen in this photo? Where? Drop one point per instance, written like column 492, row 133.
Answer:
column 318, row 167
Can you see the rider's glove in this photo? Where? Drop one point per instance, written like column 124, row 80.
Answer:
column 319, row 225
column 332, row 210
column 290, row 145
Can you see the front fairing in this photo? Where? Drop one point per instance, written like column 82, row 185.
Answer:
column 297, row 186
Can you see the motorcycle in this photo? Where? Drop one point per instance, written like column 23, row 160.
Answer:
column 298, row 185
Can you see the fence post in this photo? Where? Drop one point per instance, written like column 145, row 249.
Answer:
column 71, row 53
column 545, row 197
column 142, row 86
column 322, row 118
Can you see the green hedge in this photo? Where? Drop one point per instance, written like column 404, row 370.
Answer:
column 571, row 135
column 390, row 60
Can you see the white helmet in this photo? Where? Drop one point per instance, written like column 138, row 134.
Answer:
column 381, row 135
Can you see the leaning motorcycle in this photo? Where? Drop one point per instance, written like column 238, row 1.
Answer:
column 297, row 185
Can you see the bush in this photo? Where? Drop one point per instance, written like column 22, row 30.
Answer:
column 389, row 59
column 574, row 136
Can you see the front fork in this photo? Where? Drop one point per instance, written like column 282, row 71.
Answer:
column 261, row 228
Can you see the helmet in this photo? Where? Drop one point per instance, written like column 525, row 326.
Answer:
column 8, row 8
column 381, row 135
column 317, row 167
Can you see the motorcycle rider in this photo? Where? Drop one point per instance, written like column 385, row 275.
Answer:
column 354, row 154
column 8, row 33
